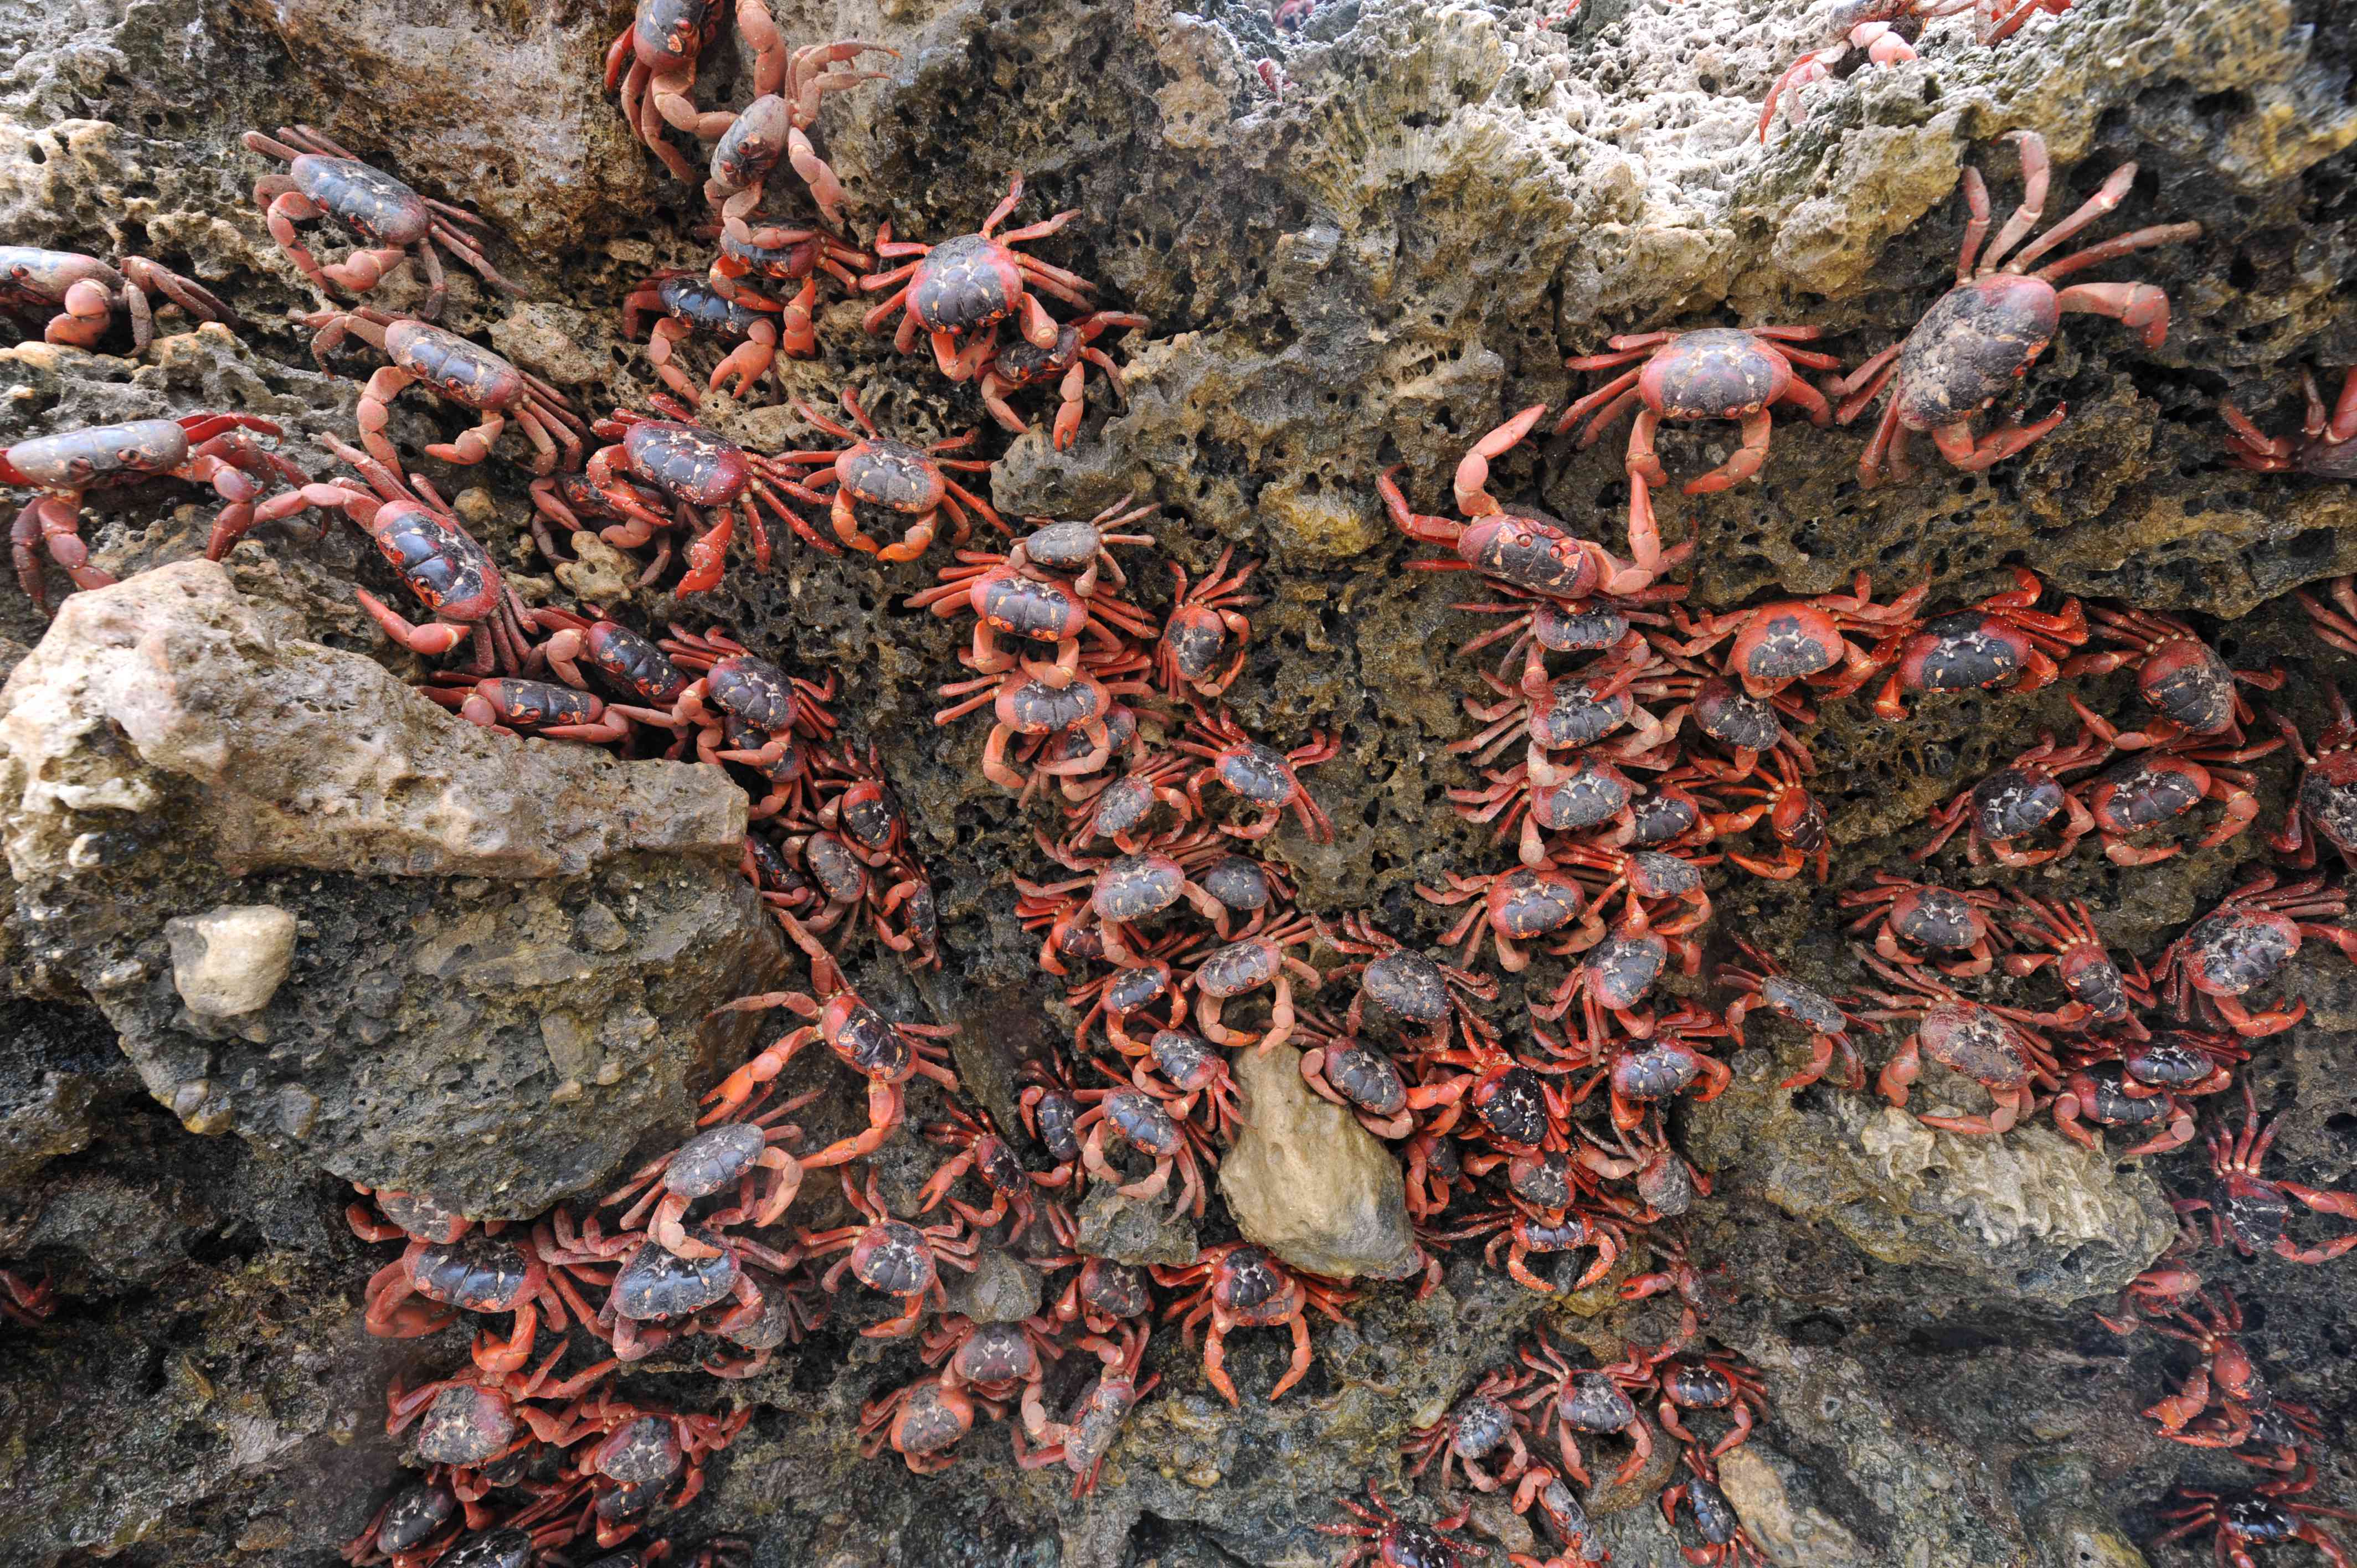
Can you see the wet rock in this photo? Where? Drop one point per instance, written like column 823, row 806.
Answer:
column 1135, row 1229
column 1307, row 1182
column 230, row 961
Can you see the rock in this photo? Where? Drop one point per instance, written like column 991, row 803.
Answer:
column 164, row 750
column 1003, row 1289
column 230, row 961
column 502, row 109
column 381, row 780
column 1135, row 1229
column 1790, row 1536
column 1308, row 1183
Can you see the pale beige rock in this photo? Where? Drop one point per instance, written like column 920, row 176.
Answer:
column 1308, row 1183
column 172, row 675
column 230, row 961
column 1790, row 1536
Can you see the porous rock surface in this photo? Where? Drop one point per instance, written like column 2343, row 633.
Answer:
column 1373, row 268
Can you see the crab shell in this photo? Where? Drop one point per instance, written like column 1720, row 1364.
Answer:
column 1525, row 902
column 1141, row 1118
column 1024, row 607
column 713, row 1158
column 2014, row 802
column 2189, row 684
column 1366, row 1078
column 414, row 1513
column 865, row 1041
column 965, row 284
column 1034, row 707
column 1786, row 641
column 479, row 1273
column 1542, row 1180
column 367, row 201
column 643, row 1453
column 507, row 1547
column 1721, row 372
column 2143, row 790
column 2234, row 950
column 667, row 34
column 1803, row 1004
column 1961, row 651
column 1257, row 773
column 755, row 691
column 1477, row 1424
column 637, row 663
column 929, row 1421
column 1657, row 1070
column 465, row 1426
column 686, row 462
column 1622, row 967
column 1250, row 1286
column 1937, row 917
column 890, row 474
column 1065, row 546
column 447, row 571
column 1239, row 967
column 1529, row 550
column 1590, row 791
column 1732, row 716
column 1514, row 1107
column 1975, row 1042
column 532, row 705
column 837, row 870
column 99, row 453
column 1238, row 882
column 1408, row 986
column 1973, row 346
column 1573, row 717
column 687, row 296
column 1590, row 1402
column 892, row 1256
column 1137, row 885
column 465, row 372
column 656, row 1283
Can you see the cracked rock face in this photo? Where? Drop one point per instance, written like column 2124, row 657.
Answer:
column 502, row 952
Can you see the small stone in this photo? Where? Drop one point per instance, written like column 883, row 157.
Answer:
column 231, row 961
column 1136, row 1231
column 298, row 1108
column 601, row 929
column 1308, row 1183
column 1003, row 1289
column 598, row 573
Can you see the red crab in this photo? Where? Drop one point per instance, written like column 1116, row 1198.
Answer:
column 466, row 373
column 1119, row 808
column 79, row 294
column 1360, row 1079
column 1947, row 920
column 1401, row 982
column 2249, row 1209
column 2081, row 960
column 1713, row 1381
column 984, row 1153
column 1103, row 1294
column 1068, row 732
column 730, row 1154
column 886, row 1053
column 506, row 705
column 2178, row 675
column 1999, row 640
column 998, row 1362
column 687, row 304
column 892, row 1256
column 1614, row 977
column 2242, row 943
column 1478, row 1425
column 2322, row 448
column 1720, row 373
column 957, row 292
column 775, row 126
column 1519, row 1232
column 2148, row 788
column 910, row 486
column 1772, row 646
column 1261, row 775
column 1257, row 958
column 2101, row 1097
column 1873, row 27
column 1387, row 1540
column 702, row 476
column 2266, row 1514
column 1537, row 625
column 214, row 449
column 922, row 1422
column 479, row 1273
column 1827, row 1020
column 1122, row 891
column 1516, row 905
column 661, row 48
column 1174, row 1145
column 1031, row 606
column 2335, row 624
column 1795, row 820
column 1997, row 1048
column 396, row 224
column 473, row 1415
column 1185, row 1073
column 1237, row 1285
column 2016, row 800
column 1527, row 549
column 1082, row 1444
column 641, row 1450
column 1981, row 337
column 1660, row 1067
column 1571, row 715
column 2325, row 808
column 1023, row 363
column 1587, row 792
column 1196, row 636
column 1575, row 1400
column 1724, row 1541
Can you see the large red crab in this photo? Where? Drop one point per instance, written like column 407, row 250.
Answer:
column 2243, row 944
column 2248, row 1209
column 957, row 292
column 1719, row 372
column 1978, row 339
column 908, row 485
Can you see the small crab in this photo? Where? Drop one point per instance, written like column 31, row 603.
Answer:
column 1237, row 1285
column 1997, row 1048
column 1068, row 731
column 2325, row 807
column 730, row 1154
column 892, row 1256
column 1795, row 820
column 395, row 223
column 1023, row 363
column 1185, row 1073
column 2325, row 447
column 1029, row 607
column 1478, row 1425
column 1772, row 646
column 775, row 126
column 886, row 1053
column 2000, row 640
column 1521, row 1232
column 705, row 478
column 1263, row 777
column 1949, row 921
column 216, row 449
column 1257, row 958
column 1082, row 1444
column 2099, row 1098
column 1981, row 337
column 687, row 304
column 1537, row 625
column 467, row 373
column 1401, row 982
column 1638, row 1073
column 507, row 706
column 1139, row 1119
column 1363, row 1080
column 957, row 292
column 79, row 294
column 1874, row 26
column 984, row 1153
column 1387, row 1540
column 1526, row 549
column 2268, row 1513
column 737, row 698
column 921, row 1422
column 1719, row 372
column 477, row 1272
column 908, row 485
column 1828, row 1021
column 2248, row 1209
column 1122, row 891
column 2146, row 788
column 1196, row 635
column 2241, row 944
column 2016, row 800
column 1000, row 1362
column 1717, row 1381
column 1724, row 1541
column 2081, row 960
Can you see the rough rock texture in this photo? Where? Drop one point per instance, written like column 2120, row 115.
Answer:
column 1374, row 269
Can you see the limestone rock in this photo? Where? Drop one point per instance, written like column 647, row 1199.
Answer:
column 230, row 961
column 1308, row 1183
